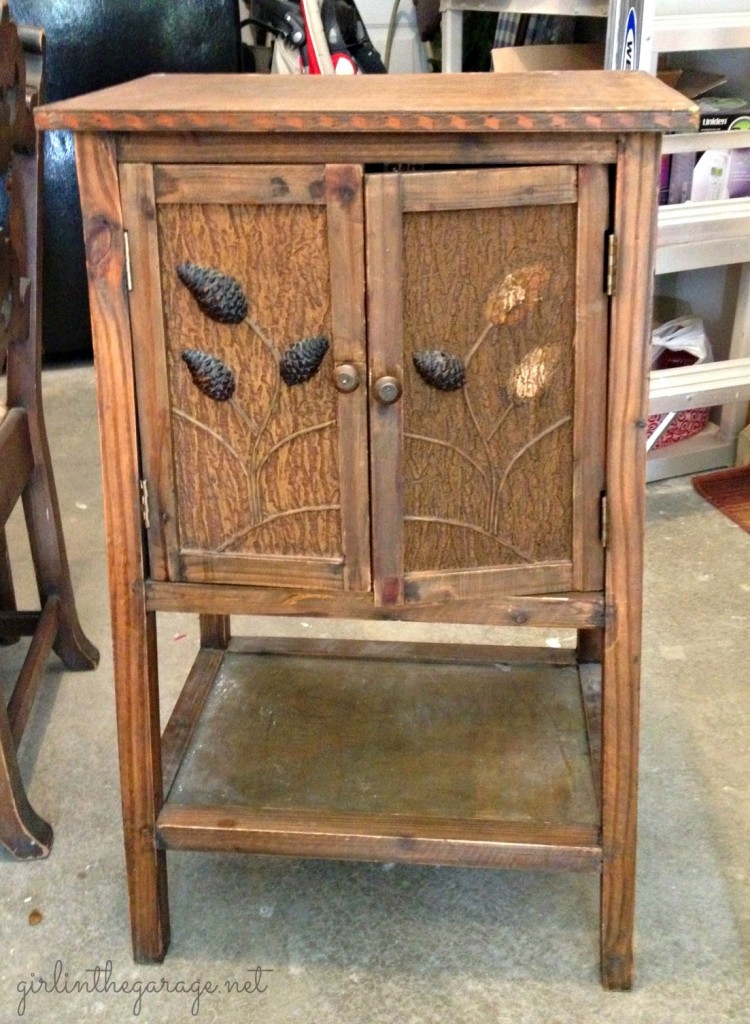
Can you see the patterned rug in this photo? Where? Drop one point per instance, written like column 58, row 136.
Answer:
column 729, row 491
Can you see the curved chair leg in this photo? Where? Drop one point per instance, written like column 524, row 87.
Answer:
column 48, row 553
column 22, row 832
column 7, row 591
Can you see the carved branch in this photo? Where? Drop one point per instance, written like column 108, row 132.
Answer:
column 475, row 529
column 246, row 531
column 446, row 444
column 292, row 437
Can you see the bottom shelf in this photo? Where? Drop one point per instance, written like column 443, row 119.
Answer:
column 705, row 451
column 484, row 763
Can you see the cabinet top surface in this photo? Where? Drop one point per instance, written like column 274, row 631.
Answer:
column 549, row 101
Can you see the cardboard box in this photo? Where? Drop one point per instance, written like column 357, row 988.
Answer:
column 723, row 113
column 551, row 57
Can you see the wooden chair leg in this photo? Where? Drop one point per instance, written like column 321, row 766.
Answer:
column 7, row 591
column 22, row 832
column 48, row 553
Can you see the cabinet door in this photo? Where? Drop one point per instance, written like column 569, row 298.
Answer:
column 486, row 306
column 247, row 294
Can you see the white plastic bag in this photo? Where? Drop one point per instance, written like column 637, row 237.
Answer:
column 685, row 334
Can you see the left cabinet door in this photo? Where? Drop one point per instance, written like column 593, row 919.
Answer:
column 247, row 309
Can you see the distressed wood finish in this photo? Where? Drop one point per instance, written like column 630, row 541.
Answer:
column 385, row 326
column 367, row 837
column 490, row 249
column 465, row 149
column 398, row 650
column 338, row 737
column 590, row 401
column 635, row 216
column 346, row 245
column 574, row 611
column 133, row 627
column 291, row 506
column 506, row 434
column 537, row 102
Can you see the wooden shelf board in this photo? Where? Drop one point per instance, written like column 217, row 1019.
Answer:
column 482, row 763
column 374, row 837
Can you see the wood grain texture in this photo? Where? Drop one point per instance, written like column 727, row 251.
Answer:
column 374, row 838
column 18, row 459
column 215, row 631
column 430, row 587
column 386, row 354
column 133, row 627
column 186, row 712
column 495, row 288
column 27, row 683
column 587, row 101
column 489, row 187
column 298, row 185
column 577, row 611
column 24, row 834
column 346, row 247
column 403, row 651
column 258, row 474
column 635, row 216
column 590, row 400
column 491, row 742
column 499, row 265
column 150, row 360
column 261, row 570
column 438, row 147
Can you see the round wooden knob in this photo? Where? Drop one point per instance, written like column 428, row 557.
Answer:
column 346, row 377
column 387, row 390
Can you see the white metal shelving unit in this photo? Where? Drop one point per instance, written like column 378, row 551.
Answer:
column 453, row 12
column 693, row 236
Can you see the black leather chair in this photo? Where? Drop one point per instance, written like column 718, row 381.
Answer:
column 92, row 44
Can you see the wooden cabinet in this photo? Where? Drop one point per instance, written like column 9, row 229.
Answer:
column 376, row 349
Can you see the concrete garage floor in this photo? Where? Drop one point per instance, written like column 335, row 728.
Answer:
column 356, row 943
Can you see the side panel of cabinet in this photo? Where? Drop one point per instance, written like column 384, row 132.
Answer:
column 247, row 291
column 485, row 301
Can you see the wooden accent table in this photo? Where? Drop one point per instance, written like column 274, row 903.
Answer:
column 356, row 358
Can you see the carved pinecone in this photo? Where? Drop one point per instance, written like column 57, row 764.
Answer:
column 210, row 375
column 219, row 295
column 440, row 370
column 301, row 360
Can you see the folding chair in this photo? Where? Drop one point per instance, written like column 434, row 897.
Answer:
column 25, row 469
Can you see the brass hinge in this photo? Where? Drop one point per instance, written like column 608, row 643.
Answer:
column 604, row 520
column 611, row 264
column 128, row 272
column 145, row 515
